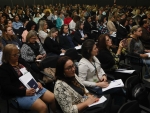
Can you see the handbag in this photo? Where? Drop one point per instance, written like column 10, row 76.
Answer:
column 100, row 108
column 51, row 72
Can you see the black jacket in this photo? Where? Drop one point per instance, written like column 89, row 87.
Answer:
column 106, row 59
column 51, row 46
column 9, row 80
column 64, row 41
column 77, row 37
column 121, row 32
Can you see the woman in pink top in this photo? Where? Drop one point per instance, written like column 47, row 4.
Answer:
column 31, row 25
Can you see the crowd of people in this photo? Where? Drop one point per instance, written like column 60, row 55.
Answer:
column 28, row 34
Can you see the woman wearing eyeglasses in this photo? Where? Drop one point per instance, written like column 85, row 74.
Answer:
column 69, row 92
column 13, row 88
column 32, row 50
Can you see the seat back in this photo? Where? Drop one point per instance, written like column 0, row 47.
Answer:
column 73, row 54
column 130, row 83
column 130, row 107
column 50, row 61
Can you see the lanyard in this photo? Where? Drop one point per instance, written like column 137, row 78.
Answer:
column 96, row 72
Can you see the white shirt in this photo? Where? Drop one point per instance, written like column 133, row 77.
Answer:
column 72, row 25
column 43, row 35
column 87, row 72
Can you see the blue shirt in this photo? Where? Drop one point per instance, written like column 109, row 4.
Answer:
column 17, row 25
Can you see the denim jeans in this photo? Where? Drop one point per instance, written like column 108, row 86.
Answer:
column 147, row 63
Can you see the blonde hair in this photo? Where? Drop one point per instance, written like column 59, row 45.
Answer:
column 135, row 28
column 30, row 34
column 7, row 50
column 41, row 25
column 53, row 30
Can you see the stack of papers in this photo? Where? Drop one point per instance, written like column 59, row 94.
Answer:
column 125, row 71
column 101, row 100
column 114, row 84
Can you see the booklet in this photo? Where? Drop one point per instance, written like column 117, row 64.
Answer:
column 28, row 81
column 33, row 84
column 114, row 84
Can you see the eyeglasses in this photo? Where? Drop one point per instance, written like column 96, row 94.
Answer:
column 70, row 68
column 16, row 55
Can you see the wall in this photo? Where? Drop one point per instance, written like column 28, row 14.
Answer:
column 100, row 2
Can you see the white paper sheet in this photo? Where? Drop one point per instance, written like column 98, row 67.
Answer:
column 78, row 47
column 61, row 54
column 114, row 84
column 125, row 71
column 148, row 54
column 101, row 100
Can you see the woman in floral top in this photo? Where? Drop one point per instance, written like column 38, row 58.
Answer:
column 108, row 58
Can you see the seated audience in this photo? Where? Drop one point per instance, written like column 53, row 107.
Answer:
column 37, row 18
column 59, row 21
column 103, row 25
column 9, row 37
column 112, row 29
column 136, row 49
column 67, row 19
column 8, row 23
column 145, row 37
column 68, row 85
column 88, row 26
column 51, row 44
column 13, row 88
column 121, row 30
column 16, row 24
column 43, row 30
column 90, row 71
column 31, row 25
column 65, row 39
column 79, row 34
column 110, row 57
column 32, row 50
column 72, row 23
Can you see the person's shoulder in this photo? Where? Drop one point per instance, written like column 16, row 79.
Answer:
column 83, row 61
column 25, row 45
column 4, row 67
column 40, row 31
column 60, row 83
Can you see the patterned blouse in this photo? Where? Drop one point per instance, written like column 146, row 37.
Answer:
column 67, row 97
column 116, row 59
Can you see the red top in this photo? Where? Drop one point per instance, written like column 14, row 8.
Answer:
column 67, row 20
